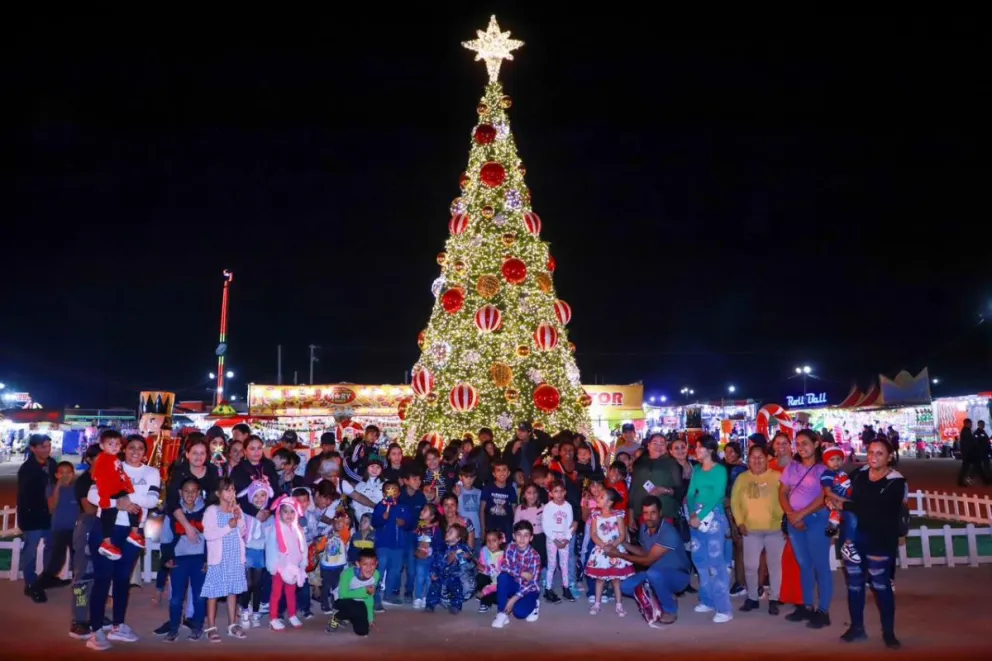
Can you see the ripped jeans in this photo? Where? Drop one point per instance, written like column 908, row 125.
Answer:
column 876, row 570
column 712, row 565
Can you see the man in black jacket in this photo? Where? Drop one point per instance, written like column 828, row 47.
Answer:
column 33, row 517
column 971, row 455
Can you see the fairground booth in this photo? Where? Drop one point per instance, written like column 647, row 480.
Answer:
column 728, row 419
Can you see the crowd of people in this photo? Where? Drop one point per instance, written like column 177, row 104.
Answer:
column 363, row 526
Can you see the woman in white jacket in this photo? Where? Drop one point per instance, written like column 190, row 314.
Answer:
column 147, row 486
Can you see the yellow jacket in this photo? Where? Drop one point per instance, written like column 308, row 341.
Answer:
column 754, row 501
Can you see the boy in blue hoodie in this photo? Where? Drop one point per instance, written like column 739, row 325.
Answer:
column 413, row 497
column 189, row 559
column 391, row 520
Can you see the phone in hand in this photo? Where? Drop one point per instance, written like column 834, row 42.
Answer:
column 648, row 486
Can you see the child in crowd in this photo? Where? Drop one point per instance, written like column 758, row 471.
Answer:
column 840, row 523
column 307, row 521
column 363, row 539
column 608, row 532
column 224, row 530
column 540, row 476
column 628, row 463
column 334, row 558
column 447, row 568
column 63, row 505
column 449, row 467
column 519, row 480
column 111, row 483
column 531, row 510
column 256, row 532
column 556, row 520
column 469, row 499
column 517, row 590
column 286, row 559
column 356, row 595
column 426, row 536
column 286, row 462
column 188, row 559
column 413, row 497
column 390, row 519
column 584, row 545
column 616, row 479
column 327, row 503
column 490, row 564
column 370, row 487
column 218, row 456
column 498, row 501
column 434, row 485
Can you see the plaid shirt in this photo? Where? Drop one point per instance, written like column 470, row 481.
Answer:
column 516, row 562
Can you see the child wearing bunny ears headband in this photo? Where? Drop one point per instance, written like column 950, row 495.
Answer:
column 286, row 559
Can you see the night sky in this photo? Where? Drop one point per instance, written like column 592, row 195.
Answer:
column 725, row 199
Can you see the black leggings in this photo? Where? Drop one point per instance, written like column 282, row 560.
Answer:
column 253, row 596
column 481, row 581
column 108, row 517
column 356, row 612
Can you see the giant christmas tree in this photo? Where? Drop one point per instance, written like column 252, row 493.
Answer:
column 496, row 349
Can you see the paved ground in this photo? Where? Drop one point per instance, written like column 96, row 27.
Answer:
column 934, row 606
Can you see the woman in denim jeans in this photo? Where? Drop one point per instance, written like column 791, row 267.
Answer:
column 801, row 497
column 709, row 526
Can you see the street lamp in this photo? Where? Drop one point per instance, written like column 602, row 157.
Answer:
column 804, row 371
column 229, row 374
column 211, row 376
column 663, row 399
column 2, row 386
column 732, row 389
column 935, row 382
column 687, row 391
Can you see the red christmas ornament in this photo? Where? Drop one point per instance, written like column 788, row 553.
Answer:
column 546, row 398
column 463, row 398
column 402, row 407
column 458, row 223
column 533, row 222
column 485, row 134
column 546, row 337
column 453, row 300
column 463, row 179
column 421, row 338
column 423, row 382
column 488, row 318
column 514, row 270
column 551, row 264
column 492, row 174
column 563, row 311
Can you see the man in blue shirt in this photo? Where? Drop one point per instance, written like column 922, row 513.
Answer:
column 662, row 551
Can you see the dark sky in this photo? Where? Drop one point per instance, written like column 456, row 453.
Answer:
column 725, row 200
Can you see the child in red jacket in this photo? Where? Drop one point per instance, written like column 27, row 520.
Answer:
column 112, row 482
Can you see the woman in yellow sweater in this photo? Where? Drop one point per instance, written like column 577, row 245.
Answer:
column 754, row 502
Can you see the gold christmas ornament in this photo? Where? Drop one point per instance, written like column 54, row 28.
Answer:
column 527, row 196
column 511, row 395
column 538, row 425
column 523, row 351
column 585, row 399
column 488, row 212
column 571, row 347
column 544, row 282
column 501, row 374
column 522, row 170
column 460, row 265
column 509, row 239
column 431, row 398
column 442, row 258
column 483, row 109
column 506, row 102
column 487, row 286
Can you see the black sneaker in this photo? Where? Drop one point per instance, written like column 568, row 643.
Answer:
column 749, row 605
column 164, row 629
column 80, row 631
column 891, row 641
column 737, row 590
column 818, row 619
column 773, row 607
column 854, row 635
column 170, row 637
column 483, row 608
column 551, row 597
column 567, row 594
column 195, row 634
column 799, row 615
column 38, row 596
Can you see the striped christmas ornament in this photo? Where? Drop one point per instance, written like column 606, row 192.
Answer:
column 458, row 223
column 563, row 311
column 546, row 337
column 488, row 318
column 463, row 398
column 435, row 439
column 533, row 222
column 423, row 382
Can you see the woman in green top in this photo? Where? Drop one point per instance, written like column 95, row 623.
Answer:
column 708, row 521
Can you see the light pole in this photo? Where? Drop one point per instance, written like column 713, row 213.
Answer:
column 687, row 392
column 804, row 371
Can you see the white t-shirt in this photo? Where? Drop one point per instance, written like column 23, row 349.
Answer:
column 147, row 483
column 371, row 489
column 557, row 521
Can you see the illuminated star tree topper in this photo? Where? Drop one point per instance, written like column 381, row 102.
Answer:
column 493, row 46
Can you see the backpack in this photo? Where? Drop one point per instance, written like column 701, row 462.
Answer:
column 647, row 603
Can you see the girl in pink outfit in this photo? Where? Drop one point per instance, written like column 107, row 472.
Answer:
column 286, row 559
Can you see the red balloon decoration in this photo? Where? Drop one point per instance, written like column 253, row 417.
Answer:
column 514, row 270
column 533, row 222
column 492, row 174
column 463, row 398
column 402, row 407
column 546, row 398
column 458, row 223
column 485, row 134
column 488, row 318
column 453, row 300
column 551, row 264
column 563, row 311
column 423, row 382
column 546, row 337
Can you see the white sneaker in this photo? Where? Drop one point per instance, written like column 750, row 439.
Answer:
column 245, row 619
column 703, row 608
column 501, row 620
column 122, row 633
column 418, row 604
column 592, row 599
column 256, row 621
column 720, row 618
column 295, row 621
column 534, row 614
column 263, row 607
column 276, row 624
column 98, row 642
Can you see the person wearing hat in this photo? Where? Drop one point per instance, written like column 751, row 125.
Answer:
column 33, row 517
column 840, row 523
column 361, row 453
column 328, row 444
column 628, row 441
column 522, row 452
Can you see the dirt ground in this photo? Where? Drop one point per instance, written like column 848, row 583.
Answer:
column 933, row 619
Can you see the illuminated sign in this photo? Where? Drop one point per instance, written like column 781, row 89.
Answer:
column 809, row 399
column 625, row 397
